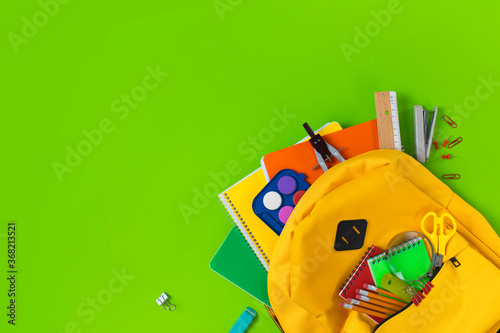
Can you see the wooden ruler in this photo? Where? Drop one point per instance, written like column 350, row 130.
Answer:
column 389, row 136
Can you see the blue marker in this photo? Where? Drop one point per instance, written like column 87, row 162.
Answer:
column 243, row 321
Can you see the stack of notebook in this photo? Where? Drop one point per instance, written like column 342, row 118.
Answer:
column 233, row 258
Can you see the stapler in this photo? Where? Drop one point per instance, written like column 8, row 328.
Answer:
column 424, row 131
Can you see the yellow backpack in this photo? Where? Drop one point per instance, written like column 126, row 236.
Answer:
column 392, row 192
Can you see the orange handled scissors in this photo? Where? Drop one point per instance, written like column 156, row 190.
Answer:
column 440, row 233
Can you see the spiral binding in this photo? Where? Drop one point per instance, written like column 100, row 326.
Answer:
column 396, row 250
column 245, row 226
column 356, row 270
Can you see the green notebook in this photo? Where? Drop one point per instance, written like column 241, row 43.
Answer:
column 409, row 261
column 236, row 262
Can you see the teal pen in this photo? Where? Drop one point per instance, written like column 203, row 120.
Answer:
column 243, row 321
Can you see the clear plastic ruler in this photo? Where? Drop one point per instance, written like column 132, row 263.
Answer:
column 389, row 135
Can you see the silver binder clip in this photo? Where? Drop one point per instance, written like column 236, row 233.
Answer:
column 163, row 300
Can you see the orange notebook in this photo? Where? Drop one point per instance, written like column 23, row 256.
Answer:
column 301, row 158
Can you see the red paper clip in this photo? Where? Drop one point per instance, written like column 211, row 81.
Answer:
column 455, row 142
column 451, row 176
column 449, row 121
column 445, row 142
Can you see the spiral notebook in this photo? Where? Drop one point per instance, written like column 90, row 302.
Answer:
column 359, row 276
column 238, row 202
column 301, row 158
column 410, row 257
column 235, row 261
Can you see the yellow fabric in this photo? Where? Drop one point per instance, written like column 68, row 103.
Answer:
column 392, row 192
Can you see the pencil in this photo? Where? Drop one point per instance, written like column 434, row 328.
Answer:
column 377, row 302
column 379, row 297
column 363, row 310
column 382, row 291
column 370, row 306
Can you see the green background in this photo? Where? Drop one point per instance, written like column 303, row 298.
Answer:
column 119, row 209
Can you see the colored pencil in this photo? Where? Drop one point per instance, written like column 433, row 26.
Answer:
column 379, row 297
column 369, row 287
column 363, row 310
column 377, row 302
column 370, row 306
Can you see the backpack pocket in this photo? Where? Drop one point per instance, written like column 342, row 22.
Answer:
column 465, row 298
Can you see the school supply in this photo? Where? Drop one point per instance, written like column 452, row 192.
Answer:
column 408, row 261
column 376, row 290
column 301, row 158
column 451, row 176
column 396, row 286
column 364, row 310
column 359, row 276
column 163, row 300
column 237, row 200
column 275, row 202
column 438, row 232
column 425, row 286
column 416, row 296
column 236, row 262
column 455, row 142
column 378, row 302
column 323, row 150
column 449, row 121
column 328, row 128
column 391, row 191
column 424, row 131
column 370, row 306
column 379, row 297
column 386, row 105
column 243, row 321
column 447, row 156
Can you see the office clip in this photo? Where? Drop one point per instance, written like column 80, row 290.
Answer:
column 424, row 130
column 455, row 142
column 163, row 300
column 450, row 121
column 425, row 285
column 416, row 296
column 451, row 176
column 323, row 150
